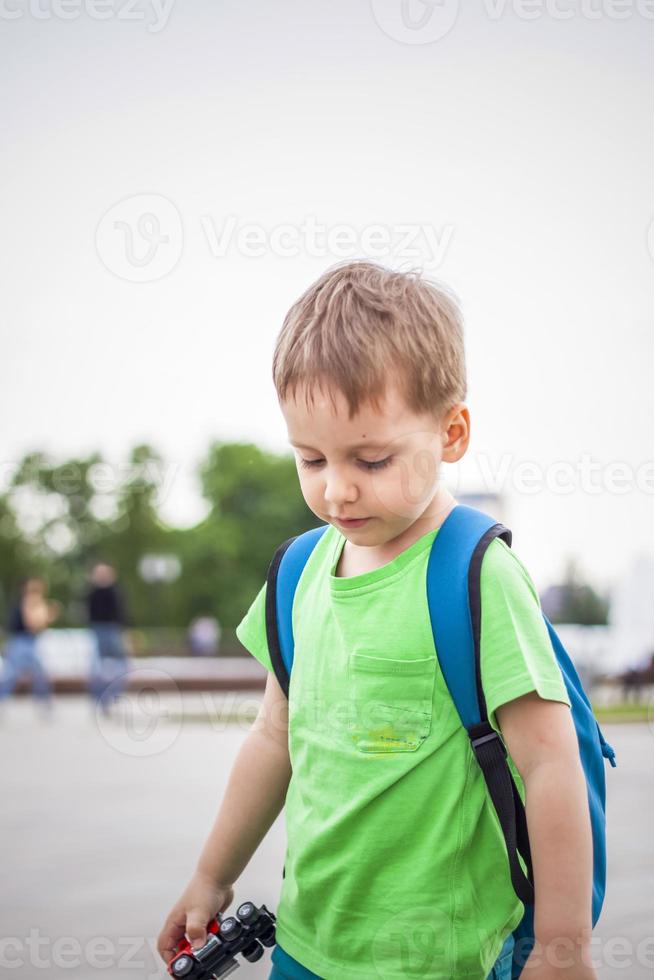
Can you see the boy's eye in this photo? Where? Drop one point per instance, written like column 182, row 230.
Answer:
column 377, row 465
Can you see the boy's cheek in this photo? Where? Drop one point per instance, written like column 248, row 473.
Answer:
column 310, row 491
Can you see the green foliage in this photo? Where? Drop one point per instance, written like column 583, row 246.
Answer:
column 58, row 517
column 255, row 504
column 579, row 603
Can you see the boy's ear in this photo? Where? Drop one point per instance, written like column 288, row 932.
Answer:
column 456, row 433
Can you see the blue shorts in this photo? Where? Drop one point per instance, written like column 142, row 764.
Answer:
column 286, row 968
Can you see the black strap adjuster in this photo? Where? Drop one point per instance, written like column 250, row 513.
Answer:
column 483, row 733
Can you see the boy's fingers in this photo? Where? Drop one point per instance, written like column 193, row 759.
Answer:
column 170, row 936
column 167, row 948
column 196, row 927
column 166, row 953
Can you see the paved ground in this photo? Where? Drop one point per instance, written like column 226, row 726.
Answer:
column 101, row 827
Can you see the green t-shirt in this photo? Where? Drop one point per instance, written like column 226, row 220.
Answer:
column 396, row 865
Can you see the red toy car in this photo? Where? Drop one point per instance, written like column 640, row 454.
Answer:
column 247, row 932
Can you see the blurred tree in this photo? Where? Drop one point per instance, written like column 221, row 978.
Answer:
column 255, row 504
column 577, row 602
column 72, row 513
column 135, row 532
column 51, row 503
column 16, row 559
column 59, row 517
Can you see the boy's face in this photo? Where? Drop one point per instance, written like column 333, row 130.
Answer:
column 382, row 465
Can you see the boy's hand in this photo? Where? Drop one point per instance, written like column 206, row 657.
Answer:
column 201, row 900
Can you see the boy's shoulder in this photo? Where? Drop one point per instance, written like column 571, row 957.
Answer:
column 503, row 570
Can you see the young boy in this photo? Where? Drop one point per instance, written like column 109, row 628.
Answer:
column 396, row 866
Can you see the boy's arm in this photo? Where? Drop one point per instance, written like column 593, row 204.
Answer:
column 255, row 792
column 253, row 799
column 541, row 739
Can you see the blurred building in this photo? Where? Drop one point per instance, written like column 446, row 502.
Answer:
column 632, row 615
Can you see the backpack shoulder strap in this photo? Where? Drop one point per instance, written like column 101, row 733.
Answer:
column 282, row 578
column 454, row 600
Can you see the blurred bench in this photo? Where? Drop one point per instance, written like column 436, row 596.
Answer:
column 66, row 655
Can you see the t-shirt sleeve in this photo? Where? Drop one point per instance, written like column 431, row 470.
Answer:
column 251, row 631
column 516, row 651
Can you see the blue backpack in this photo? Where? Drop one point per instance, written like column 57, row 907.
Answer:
column 454, row 600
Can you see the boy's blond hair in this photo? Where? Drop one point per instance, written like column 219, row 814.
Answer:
column 361, row 326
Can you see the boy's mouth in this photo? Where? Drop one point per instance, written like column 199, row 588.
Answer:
column 351, row 521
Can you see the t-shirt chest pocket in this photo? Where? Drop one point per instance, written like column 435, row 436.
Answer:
column 392, row 702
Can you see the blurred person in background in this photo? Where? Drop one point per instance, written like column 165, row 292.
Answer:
column 30, row 614
column 203, row 636
column 638, row 679
column 106, row 616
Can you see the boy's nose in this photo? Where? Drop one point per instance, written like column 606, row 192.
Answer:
column 339, row 491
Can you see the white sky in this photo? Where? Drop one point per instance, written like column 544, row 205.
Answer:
column 526, row 146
